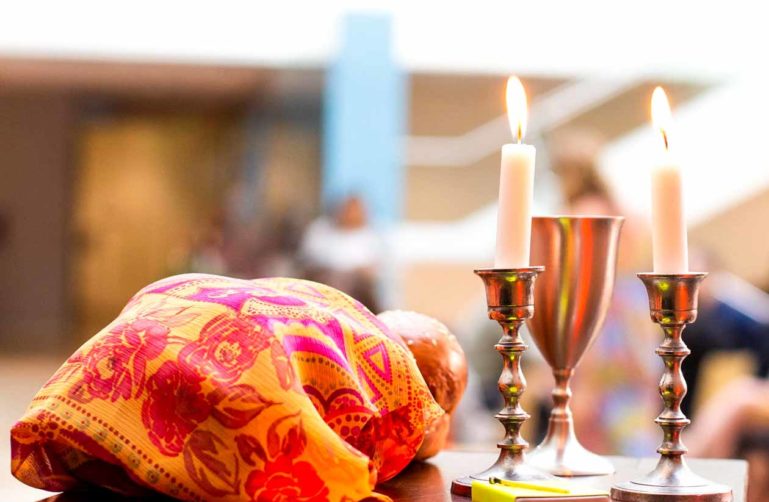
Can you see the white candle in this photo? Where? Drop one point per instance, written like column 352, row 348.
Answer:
column 516, row 186
column 669, row 246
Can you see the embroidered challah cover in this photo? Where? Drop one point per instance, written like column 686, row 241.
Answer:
column 214, row 388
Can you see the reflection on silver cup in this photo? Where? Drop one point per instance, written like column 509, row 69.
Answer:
column 571, row 298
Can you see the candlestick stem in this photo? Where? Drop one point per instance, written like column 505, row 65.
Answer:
column 672, row 389
column 512, row 385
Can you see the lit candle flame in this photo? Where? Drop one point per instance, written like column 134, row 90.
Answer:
column 517, row 112
column 661, row 115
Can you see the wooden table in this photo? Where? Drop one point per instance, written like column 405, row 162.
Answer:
column 430, row 481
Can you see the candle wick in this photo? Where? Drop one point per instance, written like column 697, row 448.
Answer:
column 665, row 139
column 520, row 132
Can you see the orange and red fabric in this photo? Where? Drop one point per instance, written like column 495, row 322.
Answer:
column 213, row 388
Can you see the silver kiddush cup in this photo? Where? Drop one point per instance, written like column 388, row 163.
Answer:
column 572, row 298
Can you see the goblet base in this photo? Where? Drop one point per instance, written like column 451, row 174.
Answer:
column 566, row 457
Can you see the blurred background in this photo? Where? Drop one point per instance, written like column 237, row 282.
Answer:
column 359, row 145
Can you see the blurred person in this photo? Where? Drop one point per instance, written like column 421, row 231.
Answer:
column 617, row 383
column 617, row 380
column 207, row 253
column 344, row 251
column 280, row 258
column 732, row 315
column 265, row 247
column 735, row 423
column 733, row 420
column 574, row 160
column 583, row 189
column 738, row 409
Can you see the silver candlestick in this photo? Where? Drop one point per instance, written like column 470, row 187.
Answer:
column 673, row 305
column 510, row 300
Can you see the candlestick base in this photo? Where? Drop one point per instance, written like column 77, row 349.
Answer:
column 510, row 301
column 505, row 468
column 671, row 481
column 633, row 491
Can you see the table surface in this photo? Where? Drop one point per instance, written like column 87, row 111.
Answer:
column 430, row 481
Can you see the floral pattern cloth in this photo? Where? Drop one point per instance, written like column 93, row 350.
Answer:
column 212, row 388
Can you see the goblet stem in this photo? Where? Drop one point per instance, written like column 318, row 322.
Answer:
column 560, row 452
column 560, row 425
column 561, row 413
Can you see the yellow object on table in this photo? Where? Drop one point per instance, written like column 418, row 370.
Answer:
column 484, row 491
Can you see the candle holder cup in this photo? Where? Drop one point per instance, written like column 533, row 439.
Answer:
column 673, row 305
column 510, row 301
